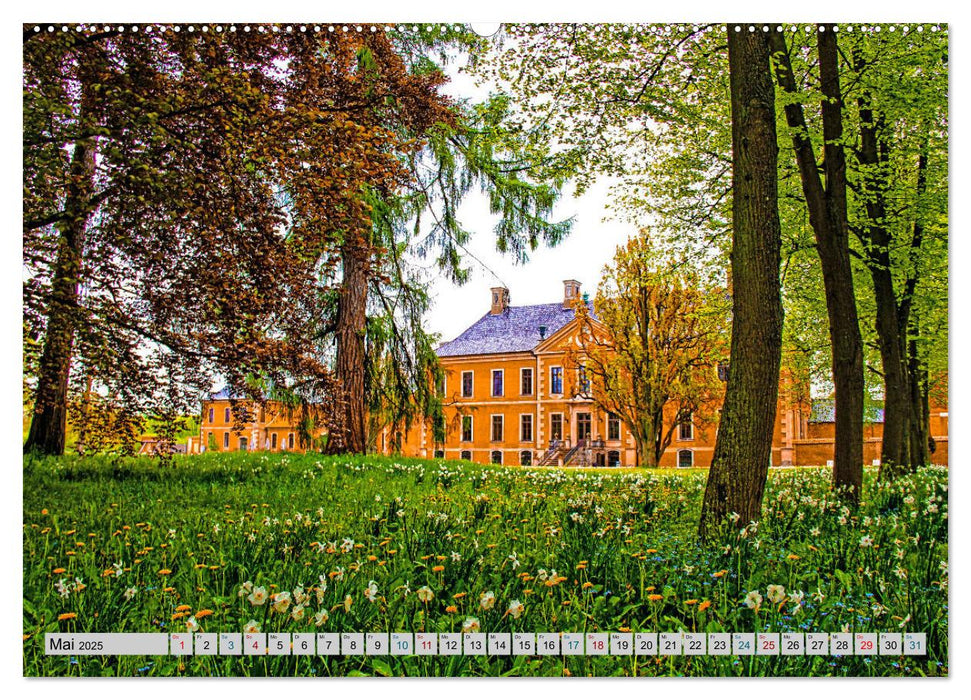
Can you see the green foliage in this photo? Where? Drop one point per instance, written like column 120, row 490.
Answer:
column 581, row 550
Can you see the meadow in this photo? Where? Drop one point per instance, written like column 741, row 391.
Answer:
column 304, row 543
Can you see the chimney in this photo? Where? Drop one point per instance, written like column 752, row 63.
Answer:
column 571, row 290
column 500, row 300
column 542, row 332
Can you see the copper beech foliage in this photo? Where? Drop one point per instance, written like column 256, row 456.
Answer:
column 186, row 199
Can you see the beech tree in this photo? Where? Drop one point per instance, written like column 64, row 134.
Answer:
column 652, row 347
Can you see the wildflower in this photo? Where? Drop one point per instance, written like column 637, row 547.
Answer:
column 438, row 569
column 348, row 601
column 903, row 623
column 205, row 612
column 183, row 608
column 164, row 572
column 753, row 600
column 245, row 589
column 425, row 594
column 321, row 617
column 818, row 596
column 692, row 601
column 451, row 609
column 251, row 627
column 487, row 600
column 191, row 625
column 130, row 593
column 471, row 624
column 815, row 532
column 63, row 589
column 516, row 609
column 371, row 592
column 655, row 597
column 66, row 616
column 281, row 602
column 866, row 541
column 796, row 597
column 456, row 556
column 776, row 594
column 258, row 596
column 297, row 612
column 704, row 605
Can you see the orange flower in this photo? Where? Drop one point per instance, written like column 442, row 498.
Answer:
column 691, row 601
column 459, row 596
column 66, row 616
column 704, row 605
column 178, row 616
column 654, row 597
column 164, row 572
column 792, row 557
column 182, row 608
column 59, row 570
column 451, row 609
column 205, row 612
column 437, row 569
column 587, row 585
column 43, row 511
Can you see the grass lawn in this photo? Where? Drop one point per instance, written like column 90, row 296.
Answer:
column 304, row 543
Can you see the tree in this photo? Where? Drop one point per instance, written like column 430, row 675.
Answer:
column 828, row 217
column 651, row 347
column 739, row 467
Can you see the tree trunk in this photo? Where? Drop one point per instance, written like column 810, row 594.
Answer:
column 350, row 369
column 48, row 426
column 919, row 407
column 739, row 468
column 828, row 218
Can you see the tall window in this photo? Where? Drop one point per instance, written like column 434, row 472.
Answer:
column 226, row 439
column 685, row 458
column 496, row 457
column 526, row 381
column 466, row 384
column 243, row 443
column 556, row 426
column 686, row 429
column 613, row 426
column 466, row 429
column 273, row 441
column 497, row 375
column 584, row 380
column 440, row 387
column 212, row 415
column 556, row 380
column 290, row 441
column 583, row 426
column 226, row 416
column 526, row 427
column 497, row 428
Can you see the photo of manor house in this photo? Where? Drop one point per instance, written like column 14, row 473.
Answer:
column 515, row 394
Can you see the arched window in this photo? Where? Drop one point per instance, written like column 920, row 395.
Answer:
column 467, row 455
column 685, row 458
column 526, row 458
column 496, row 457
column 439, row 454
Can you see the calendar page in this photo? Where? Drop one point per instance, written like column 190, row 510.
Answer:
column 525, row 349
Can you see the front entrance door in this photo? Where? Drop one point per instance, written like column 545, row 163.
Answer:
column 583, row 427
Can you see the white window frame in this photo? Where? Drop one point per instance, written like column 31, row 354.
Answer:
column 471, row 394
column 691, row 452
column 691, row 429
column 532, row 427
column 532, row 381
column 226, row 440
column 227, row 415
column 492, row 382
column 613, row 418
column 492, row 427
column 562, row 425
column 212, row 415
column 471, row 429
column 560, row 392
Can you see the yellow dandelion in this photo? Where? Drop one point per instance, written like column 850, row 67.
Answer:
column 654, row 597
column 181, row 608
column 437, row 569
column 459, row 596
column 59, row 570
column 205, row 612
column 164, row 572
column 66, row 616
column 451, row 609
column 705, row 604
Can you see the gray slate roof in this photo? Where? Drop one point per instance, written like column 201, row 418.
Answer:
column 515, row 330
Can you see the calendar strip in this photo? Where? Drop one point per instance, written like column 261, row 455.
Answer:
column 490, row 644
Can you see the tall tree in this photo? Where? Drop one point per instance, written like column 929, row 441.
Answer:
column 827, row 205
column 739, row 468
column 651, row 348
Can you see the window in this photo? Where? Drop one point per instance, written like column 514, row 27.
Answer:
column 613, row 458
column 467, row 384
column 226, row 439
column 686, row 429
column 440, row 387
column 497, row 377
column 212, row 415
column 466, row 429
column 243, row 443
column 226, row 416
column 496, row 457
column 526, row 381
column 497, row 428
column 613, row 426
column 466, row 455
column 584, row 380
column 556, row 380
column 273, row 441
column 685, row 458
column 556, row 426
column 290, row 441
column 526, row 427
column 439, row 454
column 583, row 426
column 526, row 458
